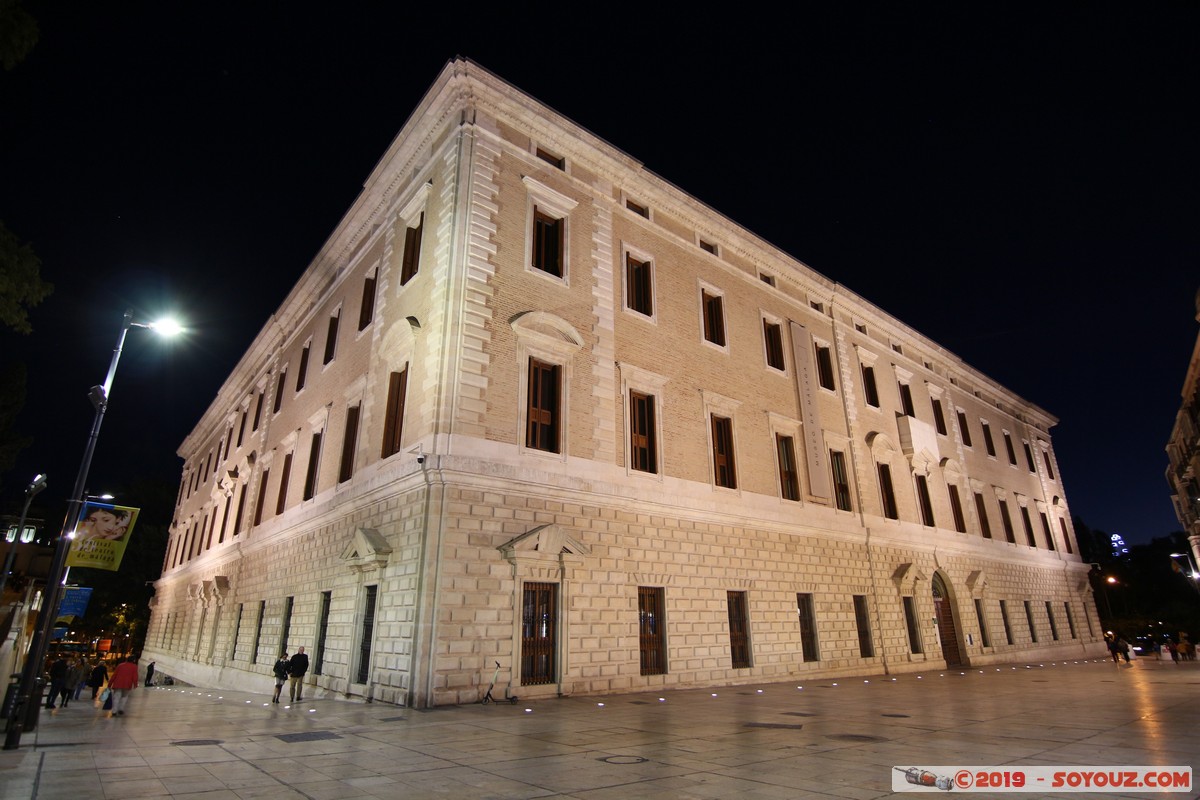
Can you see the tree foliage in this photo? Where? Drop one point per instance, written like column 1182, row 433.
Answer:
column 21, row 284
column 18, row 33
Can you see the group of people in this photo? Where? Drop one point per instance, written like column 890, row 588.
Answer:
column 1183, row 650
column 68, row 678
column 290, row 671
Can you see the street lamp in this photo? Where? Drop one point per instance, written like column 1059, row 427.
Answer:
column 1195, row 573
column 99, row 395
column 38, row 483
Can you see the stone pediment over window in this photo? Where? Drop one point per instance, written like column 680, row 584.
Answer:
column 906, row 577
column 977, row 582
column 546, row 550
column 367, row 551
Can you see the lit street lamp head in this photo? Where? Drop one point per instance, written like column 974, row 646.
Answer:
column 167, row 326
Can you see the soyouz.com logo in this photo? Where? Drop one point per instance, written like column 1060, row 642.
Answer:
column 1041, row 779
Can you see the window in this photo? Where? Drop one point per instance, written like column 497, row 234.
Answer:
column 841, row 480
column 302, row 372
column 331, row 337
column 262, row 613
column 285, row 629
column 1049, row 469
column 984, row 637
column 981, row 509
column 769, row 280
column 1046, row 530
column 773, row 342
column 1006, row 518
column 258, row 411
column 412, row 251
column 393, row 421
column 366, row 634
column 639, row 285
column 714, row 317
column 542, row 415
column 224, row 525
column 1029, row 537
column 987, row 438
column 1008, row 447
column 962, row 427
column 551, row 159
column 906, row 401
column 939, row 419
column 651, row 630
column 1028, row 457
column 643, row 444
column 241, row 507
column 1070, row 619
column 242, row 428
column 789, row 479
column 925, row 502
column 314, row 465
column 284, row 477
column 724, row 470
column 711, row 247
column 366, row 311
column 887, row 493
column 739, row 630
column 349, row 439
column 825, row 367
column 638, row 208
column 237, row 631
column 322, row 633
column 1053, row 625
column 548, row 242
column 1033, row 634
column 1008, row 637
column 808, row 628
column 1062, row 524
column 870, row 390
column 539, row 633
column 862, row 621
column 260, row 501
column 956, row 509
column 914, row 631
column 279, row 392
column 228, row 441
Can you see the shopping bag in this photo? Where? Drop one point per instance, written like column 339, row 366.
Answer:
column 108, row 700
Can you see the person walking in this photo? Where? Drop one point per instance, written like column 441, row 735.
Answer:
column 60, row 673
column 297, row 666
column 79, row 673
column 97, row 679
column 281, row 669
column 150, row 673
column 124, row 680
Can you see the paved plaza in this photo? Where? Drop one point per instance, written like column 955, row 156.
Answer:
column 822, row 738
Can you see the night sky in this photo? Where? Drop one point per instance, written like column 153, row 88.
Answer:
column 1019, row 183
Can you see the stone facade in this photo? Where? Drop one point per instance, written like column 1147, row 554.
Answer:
column 1183, row 453
column 575, row 423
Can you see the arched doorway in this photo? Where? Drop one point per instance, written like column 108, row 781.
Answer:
column 944, row 608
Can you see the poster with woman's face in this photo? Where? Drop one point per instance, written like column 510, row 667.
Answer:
column 101, row 536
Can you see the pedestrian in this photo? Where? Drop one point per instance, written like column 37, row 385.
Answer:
column 1113, row 648
column 124, row 680
column 297, row 666
column 79, row 673
column 60, row 673
column 282, row 670
column 150, row 673
column 98, row 678
column 1123, row 648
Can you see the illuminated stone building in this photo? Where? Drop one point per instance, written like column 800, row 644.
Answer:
column 1183, row 452
column 531, row 404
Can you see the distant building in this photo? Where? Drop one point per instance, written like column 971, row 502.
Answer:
column 1183, row 452
column 532, row 404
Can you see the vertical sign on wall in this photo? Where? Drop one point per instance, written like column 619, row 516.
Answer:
column 806, row 388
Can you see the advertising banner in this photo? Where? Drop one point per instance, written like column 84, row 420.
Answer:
column 101, row 536
column 73, row 605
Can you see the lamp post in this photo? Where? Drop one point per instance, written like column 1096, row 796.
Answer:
column 38, row 483
column 31, row 674
column 1194, row 574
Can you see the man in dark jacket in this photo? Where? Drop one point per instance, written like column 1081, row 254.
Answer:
column 296, row 669
column 58, row 681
